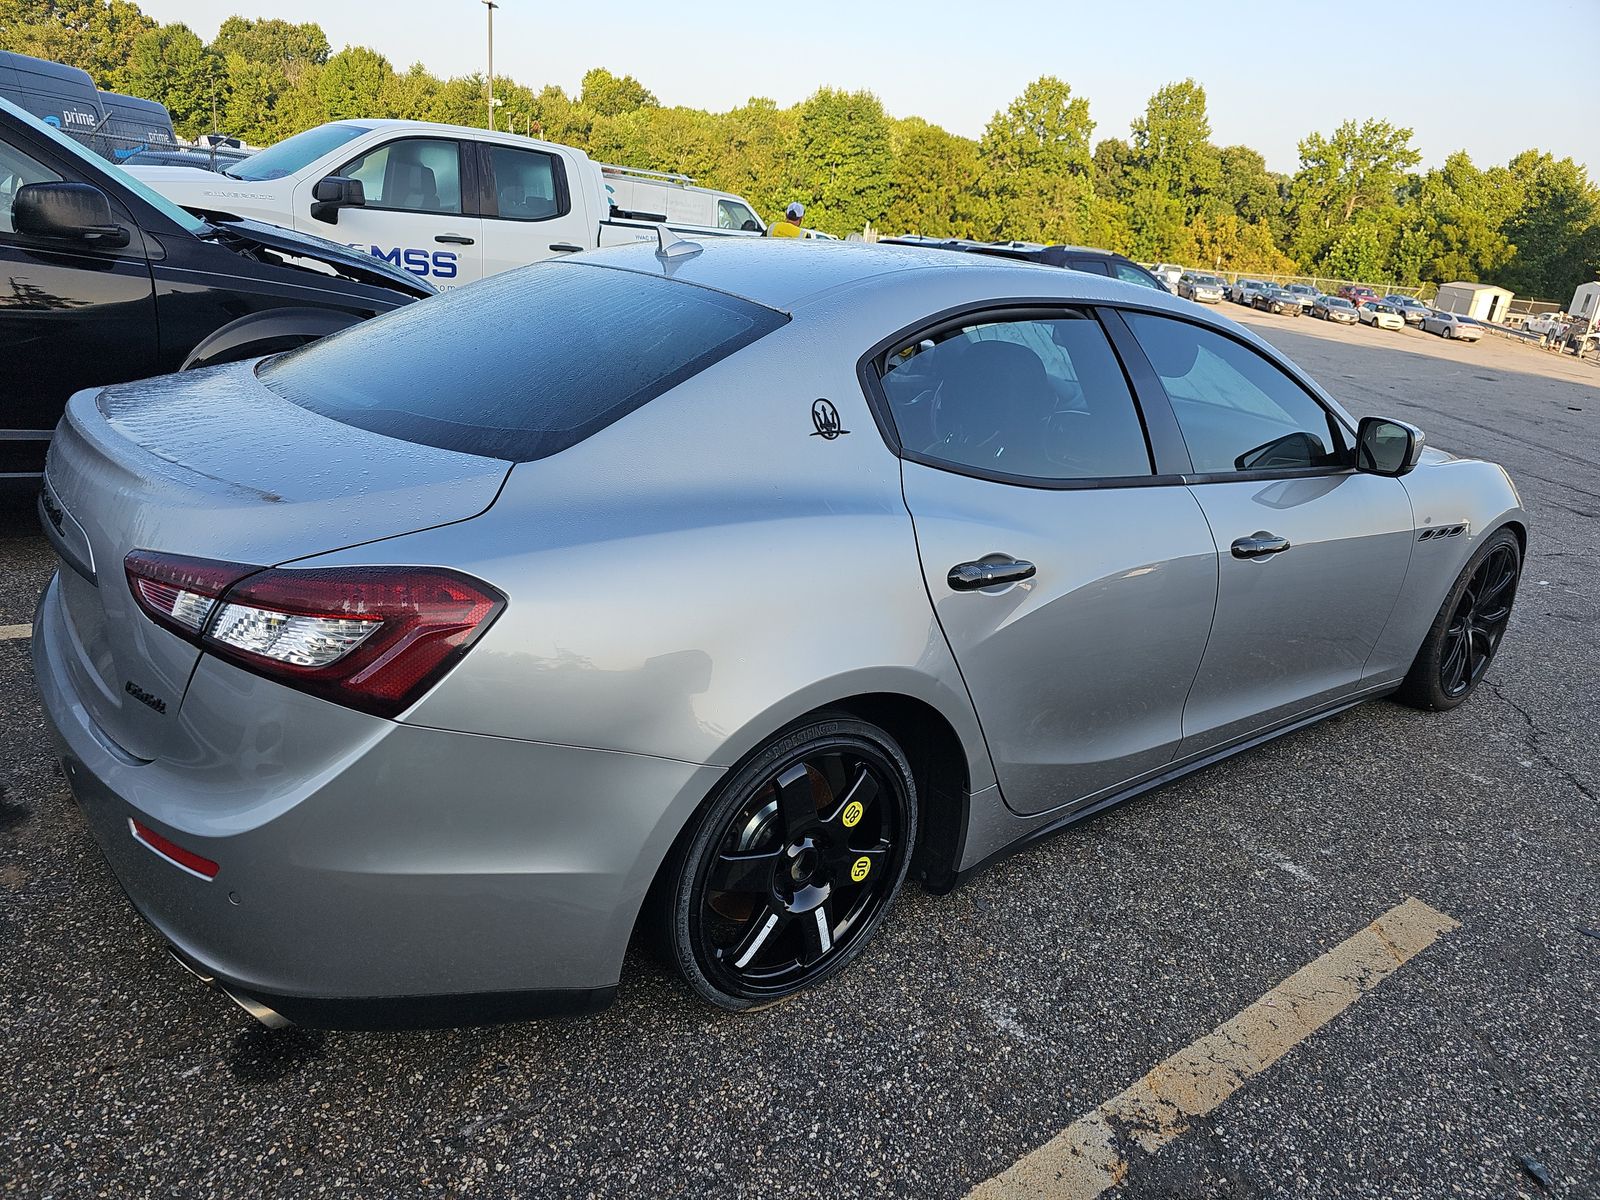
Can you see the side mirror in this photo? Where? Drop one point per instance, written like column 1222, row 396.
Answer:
column 333, row 193
column 1385, row 447
column 73, row 212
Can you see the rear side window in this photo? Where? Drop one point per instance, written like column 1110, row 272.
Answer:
column 522, row 365
column 526, row 184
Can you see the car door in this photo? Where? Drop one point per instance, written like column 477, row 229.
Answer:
column 1310, row 553
column 528, row 210
column 420, row 211
column 1074, row 585
column 72, row 314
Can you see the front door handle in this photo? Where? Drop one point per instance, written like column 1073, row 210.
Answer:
column 454, row 239
column 988, row 572
column 565, row 247
column 1260, row 544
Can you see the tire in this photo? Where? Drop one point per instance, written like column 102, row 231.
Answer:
column 821, row 820
column 1466, row 634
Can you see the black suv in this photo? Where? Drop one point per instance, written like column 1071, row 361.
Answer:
column 103, row 281
column 1073, row 258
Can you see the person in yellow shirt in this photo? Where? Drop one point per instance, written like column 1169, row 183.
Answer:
column 790, row 225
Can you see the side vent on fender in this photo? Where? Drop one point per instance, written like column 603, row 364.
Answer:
column 1442, row 531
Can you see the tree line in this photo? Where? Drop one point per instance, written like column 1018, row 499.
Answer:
column 1357, row 208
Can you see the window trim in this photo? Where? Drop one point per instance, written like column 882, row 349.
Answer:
column 870, row 375
column 464, row 173
column 489, row 193
column 1159, row 399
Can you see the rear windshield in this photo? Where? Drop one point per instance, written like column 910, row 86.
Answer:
column 522, row 365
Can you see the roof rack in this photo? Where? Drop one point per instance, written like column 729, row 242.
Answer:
column 641, row 173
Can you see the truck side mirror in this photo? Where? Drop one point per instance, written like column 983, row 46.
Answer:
column 1385, row 447
column 333, row 193
column 76, row 212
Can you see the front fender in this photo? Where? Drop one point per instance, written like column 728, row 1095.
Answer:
column 267, row 332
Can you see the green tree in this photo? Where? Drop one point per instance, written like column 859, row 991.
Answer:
column 1172, row 151
column 841, row 167
column 1359, row 169
column 1035, row 177
column 268, row 40
column 1246, row 188
column 1555, row 228
column 608, row 95
column 352, row 83
column 759, row 142
column 96, row 36
column 933, row 174
column 170, row 64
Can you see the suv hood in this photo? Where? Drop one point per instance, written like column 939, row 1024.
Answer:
column 352, row 264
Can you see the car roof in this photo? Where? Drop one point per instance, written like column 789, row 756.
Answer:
column 785, row 273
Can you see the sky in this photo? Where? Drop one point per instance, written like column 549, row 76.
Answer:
column 1463, row 74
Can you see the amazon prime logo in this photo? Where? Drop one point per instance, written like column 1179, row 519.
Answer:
column 826, row 418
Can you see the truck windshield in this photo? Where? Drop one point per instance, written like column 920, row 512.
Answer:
column 95, row 165
column 294, row 154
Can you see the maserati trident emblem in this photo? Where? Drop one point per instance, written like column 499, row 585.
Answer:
column 826, row 418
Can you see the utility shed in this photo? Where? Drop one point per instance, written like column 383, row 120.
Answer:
column 1481, row 301
column 1585, row 301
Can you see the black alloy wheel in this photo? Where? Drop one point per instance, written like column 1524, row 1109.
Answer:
column 1468, row 630
column 1479, row 622
column 794, row 864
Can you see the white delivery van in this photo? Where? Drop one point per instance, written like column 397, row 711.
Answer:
column 663, row 196
column 445, row 202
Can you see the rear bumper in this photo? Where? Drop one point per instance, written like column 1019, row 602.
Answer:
column 370, row 873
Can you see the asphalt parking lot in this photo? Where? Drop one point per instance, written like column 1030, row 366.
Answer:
column 981, row 1024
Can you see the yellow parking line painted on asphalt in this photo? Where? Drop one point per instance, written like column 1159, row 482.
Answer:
column 15, row 631
column 1090, row 1156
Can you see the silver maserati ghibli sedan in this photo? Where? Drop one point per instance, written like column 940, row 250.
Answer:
column 710, row 593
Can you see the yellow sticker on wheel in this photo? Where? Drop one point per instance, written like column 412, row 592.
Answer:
column 860, row 869
column 852, row 814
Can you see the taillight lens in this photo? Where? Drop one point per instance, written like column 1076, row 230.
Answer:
column 373, row 638
column 180, row 593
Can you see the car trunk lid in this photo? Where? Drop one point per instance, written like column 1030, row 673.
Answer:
column 210, row 464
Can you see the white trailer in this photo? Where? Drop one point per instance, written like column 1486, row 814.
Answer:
column 1480, row 301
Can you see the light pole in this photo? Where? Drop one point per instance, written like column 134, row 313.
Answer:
column 491, row 6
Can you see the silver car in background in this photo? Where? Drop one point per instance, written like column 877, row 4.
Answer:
column 1202, row 289
column 1450, row 325
column 709, row 592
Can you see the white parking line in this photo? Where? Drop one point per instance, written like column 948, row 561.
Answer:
column 1090, row 1156
column 15, row 631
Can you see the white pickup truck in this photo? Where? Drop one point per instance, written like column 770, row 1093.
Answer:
column 445, row 202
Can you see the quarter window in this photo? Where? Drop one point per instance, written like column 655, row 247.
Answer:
column 1237, row 410
column 526, row 184
column 1038, row 399
column 412, row 175
column 1133, row 275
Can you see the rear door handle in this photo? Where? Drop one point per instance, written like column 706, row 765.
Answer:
column 565, row 247
column 987, row 572
column 1259, row 545
column 454, row 239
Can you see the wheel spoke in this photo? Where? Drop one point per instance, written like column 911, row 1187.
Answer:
column 1455, row 653
column 761, row 932
column 747, row 872
column 1492, row 593
column 863, row 790
column 797, row 806
column 816, row 933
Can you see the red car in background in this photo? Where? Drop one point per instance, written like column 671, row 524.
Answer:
column 1357, row 294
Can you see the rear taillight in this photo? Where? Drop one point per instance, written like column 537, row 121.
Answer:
column 373, row 638
column 179, row 592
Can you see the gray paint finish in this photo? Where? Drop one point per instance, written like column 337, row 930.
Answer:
column 680, row 586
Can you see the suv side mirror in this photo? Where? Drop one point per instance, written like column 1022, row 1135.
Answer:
column 76, row 212
column 333, row 193
column 1385, row 447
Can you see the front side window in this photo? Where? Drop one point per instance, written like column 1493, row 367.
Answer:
column 526, row 184
column 412, row 175
column 16, row 169
column 1237, row 410
column 733, row 215
column 1038, row 400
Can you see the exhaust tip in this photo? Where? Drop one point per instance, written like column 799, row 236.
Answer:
column 271, row 1018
